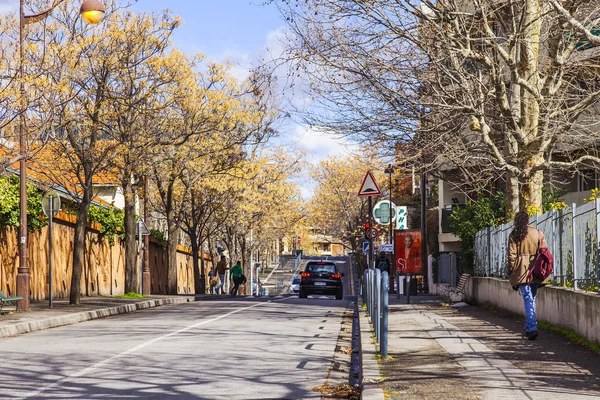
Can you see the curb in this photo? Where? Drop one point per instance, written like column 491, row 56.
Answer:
column 70, row 319
column 371, row 374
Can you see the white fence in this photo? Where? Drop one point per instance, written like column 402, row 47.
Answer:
column 571, row 235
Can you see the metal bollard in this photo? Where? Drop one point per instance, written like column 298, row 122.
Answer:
column 383, row 344
column 365, row 279
column 371, row 296
column 378, row 304
column 408, row 282
column 368, row 279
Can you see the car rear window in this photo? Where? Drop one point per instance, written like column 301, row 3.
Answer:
column 296, row 280
column 315, row 267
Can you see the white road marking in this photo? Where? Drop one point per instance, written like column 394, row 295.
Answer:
column 87, row 370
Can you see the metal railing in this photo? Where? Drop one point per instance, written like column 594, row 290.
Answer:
column 572, row 235
column 375, row 290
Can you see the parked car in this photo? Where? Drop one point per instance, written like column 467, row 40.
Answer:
column 295, row 285
column 321, row 277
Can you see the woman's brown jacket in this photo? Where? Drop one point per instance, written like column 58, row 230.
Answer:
column 520, row 255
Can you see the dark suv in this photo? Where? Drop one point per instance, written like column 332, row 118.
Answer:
column 321, row 277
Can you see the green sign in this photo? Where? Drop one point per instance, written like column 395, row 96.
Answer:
column 402, row 217
column 381, row 212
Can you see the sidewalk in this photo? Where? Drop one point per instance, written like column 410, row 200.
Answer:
column 438, row 352
column 41, row 316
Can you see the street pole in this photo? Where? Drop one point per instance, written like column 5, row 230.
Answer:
column 424, row 225
column 391, row 171
column 371, row 265
column 392, row 258
column 146, row 269
column 50, row 251
column 140, row 256
column 251, row 265
column 23, row 271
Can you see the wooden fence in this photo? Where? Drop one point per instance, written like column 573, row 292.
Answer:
column 104, row 265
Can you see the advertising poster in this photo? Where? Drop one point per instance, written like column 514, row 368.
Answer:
column 408, row 252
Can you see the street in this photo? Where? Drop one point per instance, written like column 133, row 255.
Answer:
column 225, row 349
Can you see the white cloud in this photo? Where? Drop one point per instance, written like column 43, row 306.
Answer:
column 320, row 146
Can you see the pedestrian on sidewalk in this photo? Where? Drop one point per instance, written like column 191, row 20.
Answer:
column 221, row 269
column 213, row 280
column 237, row 275
column 523, row 244
column 381, row 263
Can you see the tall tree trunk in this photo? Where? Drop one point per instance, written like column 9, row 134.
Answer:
column 172, row 229
column 211, row 251
column 202, row 266
column 198, row 281
column 512, row 194
column 244, row 251
column 79, row 246
column 131, row 270
column 531, row 191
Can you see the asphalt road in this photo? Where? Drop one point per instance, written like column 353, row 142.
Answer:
column 243, row 348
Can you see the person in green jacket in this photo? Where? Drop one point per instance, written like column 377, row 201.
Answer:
column 237, row 274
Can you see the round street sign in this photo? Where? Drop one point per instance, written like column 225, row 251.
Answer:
column 373, row 233
column 51, row 203
column 382, row 212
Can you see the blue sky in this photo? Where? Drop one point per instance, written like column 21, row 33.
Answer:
column 241, row 32
column 220, row 29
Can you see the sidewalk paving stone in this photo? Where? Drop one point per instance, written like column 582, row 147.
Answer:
column 438, row 352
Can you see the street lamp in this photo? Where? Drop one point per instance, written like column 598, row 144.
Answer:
column 389, row 171
column 92, row 12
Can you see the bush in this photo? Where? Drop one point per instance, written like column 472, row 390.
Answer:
column 10, row 208
column 159, row 237
column 466, row 221
column 111, row 219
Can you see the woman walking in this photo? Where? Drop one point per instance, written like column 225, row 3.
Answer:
column 523, row 244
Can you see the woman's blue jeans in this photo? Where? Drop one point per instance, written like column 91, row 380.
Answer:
column 529, row 292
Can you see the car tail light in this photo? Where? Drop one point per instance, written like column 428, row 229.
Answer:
column 305, row 274
column 336, row 276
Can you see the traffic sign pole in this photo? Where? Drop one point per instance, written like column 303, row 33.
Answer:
column 371, row 263
column 140, row 257
column 369, row 188
column 50, row 250
column 50, row 207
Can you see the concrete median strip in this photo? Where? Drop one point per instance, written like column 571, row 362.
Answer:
column 69, row 319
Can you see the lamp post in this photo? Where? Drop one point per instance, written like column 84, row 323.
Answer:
column 389, row 171
column 92, row 12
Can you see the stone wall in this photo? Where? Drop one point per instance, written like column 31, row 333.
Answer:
column 104, row 266
column 573, row 309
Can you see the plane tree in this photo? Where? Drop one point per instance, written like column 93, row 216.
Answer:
column 486, row 93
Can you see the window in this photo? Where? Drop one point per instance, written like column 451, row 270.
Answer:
column 587, row 180
column 322, row 268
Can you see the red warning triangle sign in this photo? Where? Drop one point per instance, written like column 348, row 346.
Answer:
column 369, row 186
